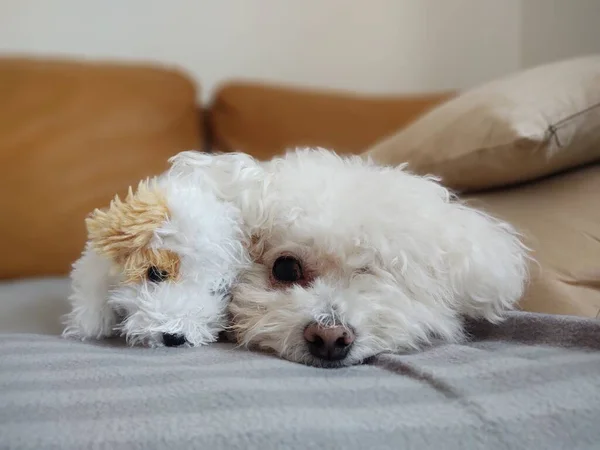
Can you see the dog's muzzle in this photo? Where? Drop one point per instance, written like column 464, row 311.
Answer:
column 328, row 343
column 173, row 340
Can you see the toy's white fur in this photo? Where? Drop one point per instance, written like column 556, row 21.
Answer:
column 394, row 257
column 203, row 230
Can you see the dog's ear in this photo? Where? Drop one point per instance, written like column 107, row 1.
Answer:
column 487, row 264
column 234, row 177
column 227, row 174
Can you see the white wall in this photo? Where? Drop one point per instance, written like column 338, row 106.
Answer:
column 374, row 46
column 555, row 29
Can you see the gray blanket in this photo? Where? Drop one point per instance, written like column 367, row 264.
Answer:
column 532, row 382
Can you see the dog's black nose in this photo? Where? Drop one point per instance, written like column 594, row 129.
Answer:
column 173, row 340
column 328, row 343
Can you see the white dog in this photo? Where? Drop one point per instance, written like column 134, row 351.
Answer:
column 352, row 259
column 158, row 266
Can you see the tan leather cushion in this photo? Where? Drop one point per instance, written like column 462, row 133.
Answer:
column 560, row 218
column 266, row 120
column 527, row 125
column 71, row 137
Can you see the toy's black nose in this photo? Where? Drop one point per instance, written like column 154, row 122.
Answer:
column 173, row 340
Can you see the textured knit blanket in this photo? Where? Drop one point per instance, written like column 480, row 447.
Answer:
column 531, row 383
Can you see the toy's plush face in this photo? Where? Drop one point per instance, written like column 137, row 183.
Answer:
column 174, row 250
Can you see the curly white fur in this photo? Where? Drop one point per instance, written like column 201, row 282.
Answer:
column 204, row 231
column 394, row 257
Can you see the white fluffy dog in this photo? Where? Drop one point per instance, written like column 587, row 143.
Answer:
column 352, row 259
column 158, row 266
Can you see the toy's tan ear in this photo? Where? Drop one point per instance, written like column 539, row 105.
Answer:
column 127, row 227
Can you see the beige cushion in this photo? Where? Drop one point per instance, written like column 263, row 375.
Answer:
column 518, row 128
column 560, row 221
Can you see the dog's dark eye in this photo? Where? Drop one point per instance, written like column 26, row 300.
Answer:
column 287, row 269
column 156, row 275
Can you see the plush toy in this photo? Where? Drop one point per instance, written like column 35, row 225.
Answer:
column 158, row 265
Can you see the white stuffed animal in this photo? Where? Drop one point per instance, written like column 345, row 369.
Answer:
column 158, row 265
